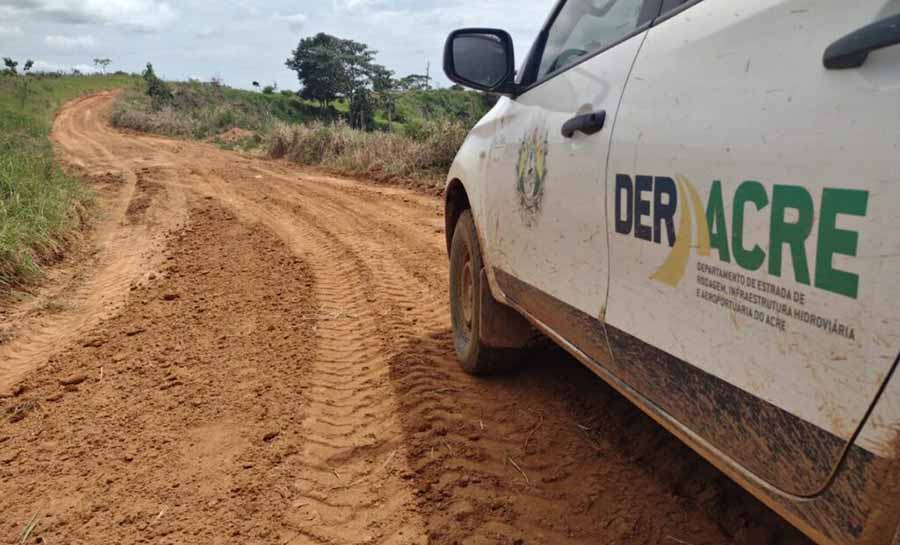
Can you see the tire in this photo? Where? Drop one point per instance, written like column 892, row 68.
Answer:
column 475, row 357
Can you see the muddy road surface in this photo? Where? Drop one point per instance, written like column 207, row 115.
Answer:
column 252, row 353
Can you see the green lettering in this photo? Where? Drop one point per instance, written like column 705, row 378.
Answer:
column 838, row 241
column 793, row 234
column 715, row 219
column 752, row 192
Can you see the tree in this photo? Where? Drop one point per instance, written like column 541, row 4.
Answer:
column 362, row 112
column 385, row 88
column 256, row 85
column 10, row 66
column 415, row 82
column 382, row 79
column 157, row 89
column 319, row 68
column 22, row 84
column 102, row 64
column 329, row 67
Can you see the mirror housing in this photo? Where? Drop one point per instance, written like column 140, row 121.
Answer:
column 482, row 59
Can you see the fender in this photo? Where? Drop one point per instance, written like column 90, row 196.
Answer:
column 469, row 166
column 501, row 325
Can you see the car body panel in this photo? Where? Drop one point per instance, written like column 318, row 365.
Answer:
column 859, row 506
column 783, row 380
column 544, row 219
column 749, row 126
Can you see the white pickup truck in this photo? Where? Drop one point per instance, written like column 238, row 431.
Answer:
column 700, row 200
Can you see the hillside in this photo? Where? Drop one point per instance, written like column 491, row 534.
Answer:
column 204, row 109
column 414, row 138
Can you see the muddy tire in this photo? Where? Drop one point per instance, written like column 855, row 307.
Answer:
column 475, row 357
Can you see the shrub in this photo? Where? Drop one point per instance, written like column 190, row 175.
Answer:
column 206, row 109
column 166, row 120
column 157, row 89
column 379, row 155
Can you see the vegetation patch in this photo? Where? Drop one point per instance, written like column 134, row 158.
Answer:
column 202, row 110
column 351, row 116
column 40, row 206
column 424, row 157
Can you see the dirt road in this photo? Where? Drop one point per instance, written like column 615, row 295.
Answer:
column 256, row 354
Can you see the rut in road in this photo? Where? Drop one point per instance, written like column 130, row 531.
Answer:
column 261, row 354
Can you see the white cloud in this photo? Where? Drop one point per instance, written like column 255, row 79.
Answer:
column 207, row 33
column 10, row 31
column 71, row 42
column 294, row 22
column 351, row 5
column 243, row 40
column 44, row 66
column 146, row 15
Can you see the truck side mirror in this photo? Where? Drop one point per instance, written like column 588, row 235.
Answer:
column 481, row 58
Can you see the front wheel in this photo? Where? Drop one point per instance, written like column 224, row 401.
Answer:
column 466, row 307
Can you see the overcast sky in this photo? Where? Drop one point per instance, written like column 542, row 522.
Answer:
column 242, row 41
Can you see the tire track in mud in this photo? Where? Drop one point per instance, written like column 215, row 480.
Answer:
column 125, row 252
column 452, row 456
column 341, row 347
column 348, row 490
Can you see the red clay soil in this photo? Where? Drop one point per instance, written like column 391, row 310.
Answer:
column 256, row 354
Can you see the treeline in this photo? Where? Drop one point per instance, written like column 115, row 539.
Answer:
column 331, row 69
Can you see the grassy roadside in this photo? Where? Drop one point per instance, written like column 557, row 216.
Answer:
column 203, row 110
column 40, row 206
column 426, row 131
column 422, row 159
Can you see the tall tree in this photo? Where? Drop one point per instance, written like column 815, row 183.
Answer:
column 102, row 64
column 382, row 79
column 385, row 88
column 362, row 111
column 10, row 66
column 319, row 66
column 329, row 67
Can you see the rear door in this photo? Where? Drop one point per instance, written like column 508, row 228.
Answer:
column 769, row 289
column 546, row 191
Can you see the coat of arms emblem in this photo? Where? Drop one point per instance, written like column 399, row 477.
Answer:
column 531, row 172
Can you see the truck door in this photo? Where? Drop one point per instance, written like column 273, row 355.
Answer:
column 545, row 191
column 767, row 280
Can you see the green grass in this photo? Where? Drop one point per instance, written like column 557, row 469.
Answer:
column 426, row 127
column 201, row 110
column 40, row 206
column 466, row 106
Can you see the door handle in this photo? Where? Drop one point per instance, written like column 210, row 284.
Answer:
column 852, row 50
column 591, row 123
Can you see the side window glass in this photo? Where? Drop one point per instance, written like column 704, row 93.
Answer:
column 585, row 26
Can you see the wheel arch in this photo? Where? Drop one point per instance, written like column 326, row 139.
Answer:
column 456, row 200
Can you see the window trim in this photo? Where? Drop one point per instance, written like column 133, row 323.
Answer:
column 665, row 16
column 649, row 15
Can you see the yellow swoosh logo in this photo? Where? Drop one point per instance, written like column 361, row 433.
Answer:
column 673, row 268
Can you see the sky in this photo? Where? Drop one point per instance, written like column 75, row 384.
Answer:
column 241, row 41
